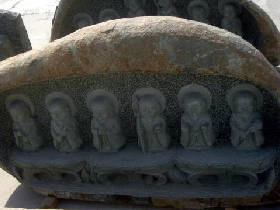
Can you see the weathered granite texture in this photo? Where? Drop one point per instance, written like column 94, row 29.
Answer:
column 258, row 27
column 11, row 25
column 159, row 52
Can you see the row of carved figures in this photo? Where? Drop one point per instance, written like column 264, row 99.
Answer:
column 148, row 105
column 198, row 10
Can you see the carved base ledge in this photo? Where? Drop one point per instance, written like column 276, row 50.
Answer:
column 176, row 173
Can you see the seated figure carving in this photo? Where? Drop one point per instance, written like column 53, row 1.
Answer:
column 64, row 127
column 82, row 20
column 6, row 47
column 230, row 9
column 105, row 124
column 148, row 105
column 166, row 8
column 196, row 124
column 246, row 122
column 108, row 14
column 135, row 8
column 198, row 10
column 25, row 129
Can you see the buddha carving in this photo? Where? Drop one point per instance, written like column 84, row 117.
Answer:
column 105, row 124
column 246, row 121
column 196, row 124
column 148, row 105
column 64, row 127
column 25, row 128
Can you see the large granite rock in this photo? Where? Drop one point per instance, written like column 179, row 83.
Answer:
column 258, row 27
column 123, row 57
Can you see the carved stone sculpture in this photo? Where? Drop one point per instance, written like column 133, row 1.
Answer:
column 246, row 122
column 230, row 10
column 64, row 128
column 108, row 14
column 25, row 129
column 198, row 10
column 166, row 8
column 105, row 124
column 196, row 125
column 82, row 20
column 6, row 47
column 135, row 8
column 148, row 105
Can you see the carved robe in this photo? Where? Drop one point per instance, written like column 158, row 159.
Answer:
column 138, row 13
column 107, row 136
column 27, row 135
column 233, row 25
column 197, row 133
column 246, row 133
column 65, row 134
column 152, row 134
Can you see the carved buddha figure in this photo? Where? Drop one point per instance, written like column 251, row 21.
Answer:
column 105, row 124
column 148, row 106
column 231, row 21
column 166, row 8
column 196, row 125
column 199, row 11
column 246, row 122
column 82, row 20
column 25, row 129
column 135, row 8
column 6, row 47
column 64, row 128
column 108, row 14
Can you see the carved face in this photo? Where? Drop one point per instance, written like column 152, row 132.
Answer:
column 230, row 11
column 82, row 23
column 244, row 105
column 149, row 107
column 199, row 14
column 102, row 110
column 20, row 113
column 165, row 3
column 60, row 111
column 194, row 106
column 134, row 5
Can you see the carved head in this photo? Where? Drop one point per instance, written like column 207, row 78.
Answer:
column 199, row 14
column 149, row 106
column 194, row 105
column 244, row 104
column 19, row 111
column 134, row 5
column 59, row 110
column 108, row 14
column 102, row 108
column 6, row 47
column 230, row 10
column 82, row 20
column 165, row 3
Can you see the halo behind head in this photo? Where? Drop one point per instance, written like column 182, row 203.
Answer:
column 195, row 89
column 62, row 96
column 142, row 1
column 200, row 3
column 106, row 12
column 81, row 16
column 248, row 88
column 222, row 3
column 104, row 93
column 17, row 97
column 151, row 91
